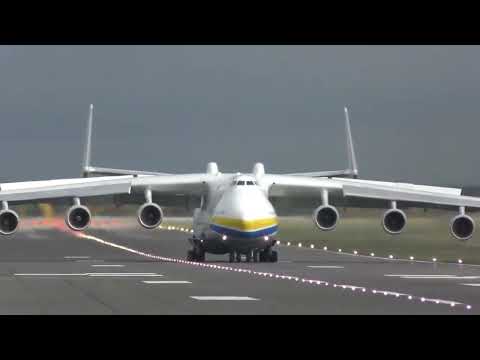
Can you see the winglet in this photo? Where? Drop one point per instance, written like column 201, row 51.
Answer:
column 88, row 143
column 352, row 160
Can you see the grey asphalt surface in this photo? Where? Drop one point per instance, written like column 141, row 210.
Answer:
column 47, row 270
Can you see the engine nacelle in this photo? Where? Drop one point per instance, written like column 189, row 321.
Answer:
column 462, row 227
column 326, row 217
column 394, row 221
column 78, row 217
column 150, row 215
column 8, row 222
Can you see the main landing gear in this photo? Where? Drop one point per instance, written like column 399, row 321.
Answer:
column 267, row 255
column 196, row 254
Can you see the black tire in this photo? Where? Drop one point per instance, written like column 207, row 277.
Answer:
column 262, row 256
column 231, row 257
column 238, row 257
column 256, row 256
column 190, row 255
column 248, row 257
column 273, row 258
column 199, row 254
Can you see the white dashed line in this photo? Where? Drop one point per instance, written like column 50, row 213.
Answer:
column 221, row 298
column 91, row 274
column 435, row 277
column 107, row 265
column 167, row 282
column 471, row 284
column 76, row 257
column 73, row 274
column 325, row 267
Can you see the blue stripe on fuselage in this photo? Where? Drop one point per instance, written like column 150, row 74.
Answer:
column 245, row 234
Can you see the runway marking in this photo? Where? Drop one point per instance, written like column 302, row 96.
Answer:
column 167, row 282
column 471, row 284
column 107, row 265
column 313, row 282
column 325, row 267
column 76, row 257
column 434, row 277
column 223, row 298
column 92, row 274
column 59, row 274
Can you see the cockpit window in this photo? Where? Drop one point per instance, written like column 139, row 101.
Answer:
column 250, row 183
column 240, row 182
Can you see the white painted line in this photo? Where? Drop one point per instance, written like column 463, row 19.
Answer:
column 435, row 277
column 167, row 282
column 221, row 298
column 76, row 257
column 108, row 265
column 471, row 284
column 325, row 267
column 92, row 274
column 50, row 274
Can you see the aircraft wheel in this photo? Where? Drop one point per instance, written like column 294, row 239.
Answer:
column 262, row 256
column 231, row 257
column 199, row 254
column 255, row 256
column 239, row 257
column 273, row 257
column 248, row 257
column 190, row 255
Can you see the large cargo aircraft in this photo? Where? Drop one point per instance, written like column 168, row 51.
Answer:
column 235, row 215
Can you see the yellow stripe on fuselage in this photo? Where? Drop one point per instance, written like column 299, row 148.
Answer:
column 244, row 225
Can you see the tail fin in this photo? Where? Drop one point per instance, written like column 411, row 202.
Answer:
column 352, row 169
column 89, row 170
column 352, row 159
column 88, row 144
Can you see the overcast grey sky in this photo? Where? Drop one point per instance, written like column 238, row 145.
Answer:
column 414, row 109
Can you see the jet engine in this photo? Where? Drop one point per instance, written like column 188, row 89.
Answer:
column 78, row 217
column 150, row 215
column 462, row 227
column 8, row 221
column 326, row 217
column 394, row 221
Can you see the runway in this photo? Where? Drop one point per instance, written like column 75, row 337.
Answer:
column 118, row 268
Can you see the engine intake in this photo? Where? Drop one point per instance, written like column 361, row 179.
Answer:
column 326, row 217
column 462, row 227
column 8, row 222
column 394, row 221
column 150, row 215
column 78, row 217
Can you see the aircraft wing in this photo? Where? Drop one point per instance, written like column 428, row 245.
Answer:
column 190, row 184
column 59, row 188
column 183, row 184
column 295, row 186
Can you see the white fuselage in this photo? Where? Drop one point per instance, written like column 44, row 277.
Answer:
column 235, row 215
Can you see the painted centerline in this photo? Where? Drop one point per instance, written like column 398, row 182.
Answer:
column 224, row 298
column 325, row 267
column 108, row 265
column 167, row 282
column 90, row 274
